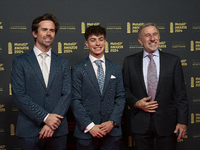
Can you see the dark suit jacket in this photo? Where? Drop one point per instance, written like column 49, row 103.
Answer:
column 89, row 105
column 32, row 97
column 171, row 94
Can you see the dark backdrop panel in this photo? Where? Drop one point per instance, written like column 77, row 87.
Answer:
column 179, row 26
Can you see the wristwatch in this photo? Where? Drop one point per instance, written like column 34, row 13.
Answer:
column 114, row 123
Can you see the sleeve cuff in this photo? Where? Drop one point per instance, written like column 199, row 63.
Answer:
column 45, row 118
column 89, row 127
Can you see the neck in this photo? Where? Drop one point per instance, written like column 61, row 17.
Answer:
column 43, row 49
column 99, row 56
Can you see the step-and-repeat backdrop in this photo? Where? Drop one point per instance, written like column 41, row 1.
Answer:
column 178, row 22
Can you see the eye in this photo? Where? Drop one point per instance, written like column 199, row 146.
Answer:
column 52, row 30
column 155, row 34
column 101, row 39
column 147, row 35
column 92, row 40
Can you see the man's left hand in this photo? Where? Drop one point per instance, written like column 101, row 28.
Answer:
column 182, row 129
column 107, row 126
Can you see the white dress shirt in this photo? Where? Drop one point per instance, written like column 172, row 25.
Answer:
column 146, row 60
column 95, row 67
column 39, row 58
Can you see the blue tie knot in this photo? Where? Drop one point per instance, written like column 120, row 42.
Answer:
column 98, row 62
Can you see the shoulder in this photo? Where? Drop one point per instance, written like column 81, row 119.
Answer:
column 134, row 55
column 79, row 68
column 113, row 64
column 169, row 55
column 22, row 57
column 59, row 57
column 80, row 63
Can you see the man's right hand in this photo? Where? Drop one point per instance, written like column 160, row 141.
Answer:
column 147, row 106
column 97, row 132
column 53, row 121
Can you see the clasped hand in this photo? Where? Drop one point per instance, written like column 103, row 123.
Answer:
column 52, row 123
column 98, row 131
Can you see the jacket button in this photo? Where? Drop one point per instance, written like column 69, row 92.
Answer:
column 100, row 112
column 102, row 100
column 47, row 95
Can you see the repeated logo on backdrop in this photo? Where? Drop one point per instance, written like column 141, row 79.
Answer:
column 184, row 48
column 18, row 48
column 1, row 25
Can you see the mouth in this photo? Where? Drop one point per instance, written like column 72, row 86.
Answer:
column 47, row 39
column 153, row 44
column 97, row 48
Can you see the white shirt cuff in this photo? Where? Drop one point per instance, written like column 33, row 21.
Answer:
column 89, row 127
column 45, row 118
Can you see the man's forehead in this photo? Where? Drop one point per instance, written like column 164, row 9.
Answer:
column 96, row 36
column 46, row 23
column 150, row 29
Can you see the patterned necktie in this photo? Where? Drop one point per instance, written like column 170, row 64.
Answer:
column 45, row 68
column 100, row 74
column 152, row 81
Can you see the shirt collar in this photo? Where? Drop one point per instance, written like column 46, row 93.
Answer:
column 38, row 52
column 156, row 53
column 92, row 58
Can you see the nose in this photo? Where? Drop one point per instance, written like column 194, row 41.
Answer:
column 97, row 43
column 48, row 32
column 152, row 38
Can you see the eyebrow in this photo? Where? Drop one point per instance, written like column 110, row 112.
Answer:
column 97, row 38
column 152, row 33
column 47, row 28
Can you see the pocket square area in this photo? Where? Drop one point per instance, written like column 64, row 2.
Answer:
column 112, row 77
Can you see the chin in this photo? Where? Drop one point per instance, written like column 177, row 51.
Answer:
column 153, row 48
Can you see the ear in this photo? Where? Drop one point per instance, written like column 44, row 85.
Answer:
column 140, row 41
column 86, row 43
column 34, row 34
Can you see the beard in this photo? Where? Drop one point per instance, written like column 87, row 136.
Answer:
column 151, row 46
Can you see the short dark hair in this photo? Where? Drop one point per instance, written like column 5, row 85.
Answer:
column 46, row 16
column 94, row 30
column 146, row 25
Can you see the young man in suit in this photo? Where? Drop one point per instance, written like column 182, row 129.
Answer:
column 97, row 96
column 41, row 86
column 155, row 91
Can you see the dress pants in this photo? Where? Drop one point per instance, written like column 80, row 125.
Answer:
column 34, row 143
column 106, row 143
column 146, row 141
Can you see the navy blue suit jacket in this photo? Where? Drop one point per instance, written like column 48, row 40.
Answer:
column 89, row 105
column 171, row 94
column 34, row 99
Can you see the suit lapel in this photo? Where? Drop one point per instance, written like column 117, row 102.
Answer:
column 90, row 72
column 163, row 69
column 138, row 61
column 31, row 58
column 107, row 75
column 53, row 68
